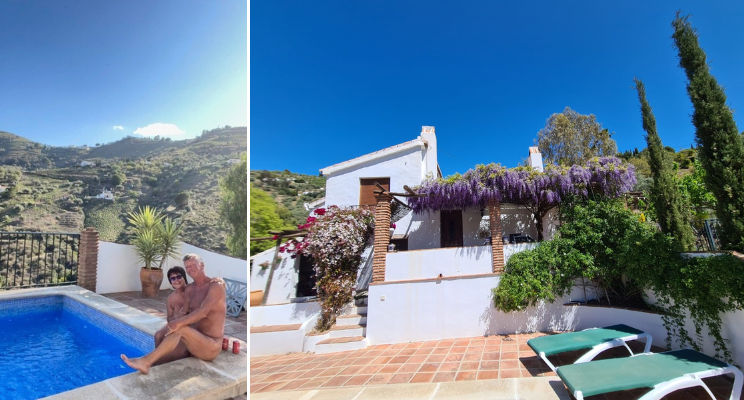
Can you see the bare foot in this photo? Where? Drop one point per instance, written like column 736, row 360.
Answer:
column 136, row 363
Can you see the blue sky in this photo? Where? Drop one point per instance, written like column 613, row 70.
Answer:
column 336, row 79
column 79, row 72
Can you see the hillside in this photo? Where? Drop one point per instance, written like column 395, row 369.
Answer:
column 46, row 189
column 290, row 190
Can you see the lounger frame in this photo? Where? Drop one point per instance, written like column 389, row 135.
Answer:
column 597, row 349
column 687, row 381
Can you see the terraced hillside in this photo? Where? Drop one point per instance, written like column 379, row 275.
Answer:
column 59, row 195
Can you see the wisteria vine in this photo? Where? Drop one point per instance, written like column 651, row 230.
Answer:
column 537, row 191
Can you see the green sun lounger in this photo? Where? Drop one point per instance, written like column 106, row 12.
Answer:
column 596, row 340
column 662, row 372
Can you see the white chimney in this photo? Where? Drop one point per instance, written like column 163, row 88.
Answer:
column 430, row 163
column 535, row 160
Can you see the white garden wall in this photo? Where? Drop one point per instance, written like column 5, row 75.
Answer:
column 284, row 314
column 283, row 282
column 118, row 267
column 427, row 264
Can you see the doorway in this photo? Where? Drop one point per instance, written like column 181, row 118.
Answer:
column 451, row 228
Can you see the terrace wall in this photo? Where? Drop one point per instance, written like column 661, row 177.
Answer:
column 118, row 267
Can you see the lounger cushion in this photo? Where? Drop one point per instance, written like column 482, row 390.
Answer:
column 642, row 371
column 555, row 344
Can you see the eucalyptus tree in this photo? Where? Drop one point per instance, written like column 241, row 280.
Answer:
column 570, row 138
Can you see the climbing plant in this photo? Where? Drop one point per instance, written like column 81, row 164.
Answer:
column 335, row 240
column 538, row 191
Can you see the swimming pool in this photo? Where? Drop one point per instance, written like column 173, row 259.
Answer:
column 52, row 344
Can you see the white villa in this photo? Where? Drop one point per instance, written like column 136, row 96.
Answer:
column 436, row 284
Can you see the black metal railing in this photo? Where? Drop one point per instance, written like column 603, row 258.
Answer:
column 31, row 259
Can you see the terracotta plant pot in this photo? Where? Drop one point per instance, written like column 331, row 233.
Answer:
column 151, row 280
column 256, row 297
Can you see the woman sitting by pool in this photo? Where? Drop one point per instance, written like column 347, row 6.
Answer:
column 177, row 304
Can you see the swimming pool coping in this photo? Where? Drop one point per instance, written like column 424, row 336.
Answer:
column 190, row 378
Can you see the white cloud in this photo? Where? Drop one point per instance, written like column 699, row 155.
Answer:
column 117, row 128
column 159, row 128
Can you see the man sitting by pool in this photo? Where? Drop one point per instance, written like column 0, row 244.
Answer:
column 199, row 333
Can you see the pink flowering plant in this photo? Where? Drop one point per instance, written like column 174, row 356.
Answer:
column 335, row 240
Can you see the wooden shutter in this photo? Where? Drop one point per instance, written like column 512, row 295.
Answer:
column 366, row 192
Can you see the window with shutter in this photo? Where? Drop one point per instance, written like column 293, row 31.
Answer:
column 366, row 192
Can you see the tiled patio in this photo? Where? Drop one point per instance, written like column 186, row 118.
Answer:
column 235, row 327
column 478, row 358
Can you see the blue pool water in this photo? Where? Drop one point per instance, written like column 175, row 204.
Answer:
column 53, row 344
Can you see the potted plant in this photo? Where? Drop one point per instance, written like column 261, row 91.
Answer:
column 156, row 238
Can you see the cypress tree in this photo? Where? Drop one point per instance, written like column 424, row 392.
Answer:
column 672, row 211
column 721, row 151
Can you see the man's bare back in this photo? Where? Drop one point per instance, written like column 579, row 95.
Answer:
column 200, row 332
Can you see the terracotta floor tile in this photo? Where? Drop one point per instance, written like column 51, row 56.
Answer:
column 489, row 365
column 382, row 346
column 311, row 373
column 401, row 378
column 382, row 360
column 351, row 370
column 422, row 377
column 330, row 371
column 508, row 347
column 509, row 364
column 414, row 345
column 449, row 367
column 436, row 358
column 472, row 357
column 362, row 361
column 458, row 350
column 390, row 353
column 407, row 352
column 424, row 350
column 462, row 342
column 399, row 359
column 410, row 367
column 260, row 378
column 469, row 366
column 488, row 375
column 491, row 348
column 294, row 384
column 398, row 346
column 444, row 377
column 292, row 375
column 430, row 344
column 358, row 380
column 454, row 357
column 441, row 350
column 314, row 383
column 374, row 353
column 336, row 381
column 465, row 376
column 524, row 347
column 379, row 379
column 418, row 359
column 513, row 355
column 389, row 369
column 491, row 356
column 429, row 367
column 531, row 362
column 509, row 373
column 370, row 369
column 257, row 386
column 446, row 343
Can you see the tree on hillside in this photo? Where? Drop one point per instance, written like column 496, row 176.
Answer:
column 233, row 194
column 672, row 211
column 720, row 147
column 570, row 138
column 264, row 218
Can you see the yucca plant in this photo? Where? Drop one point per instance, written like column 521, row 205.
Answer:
column 156, row 237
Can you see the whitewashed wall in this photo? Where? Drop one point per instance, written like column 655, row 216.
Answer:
column 283, row 282
column 463, row 307
column 118, row 267
column 428, row 264
column 284, row 314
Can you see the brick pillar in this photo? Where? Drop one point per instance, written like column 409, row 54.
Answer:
column 382, row 236
column 497, row 244
column 88, row 259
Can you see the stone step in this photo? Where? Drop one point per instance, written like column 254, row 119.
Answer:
column 334, row 345
column 342, row 331
column 352, row 319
